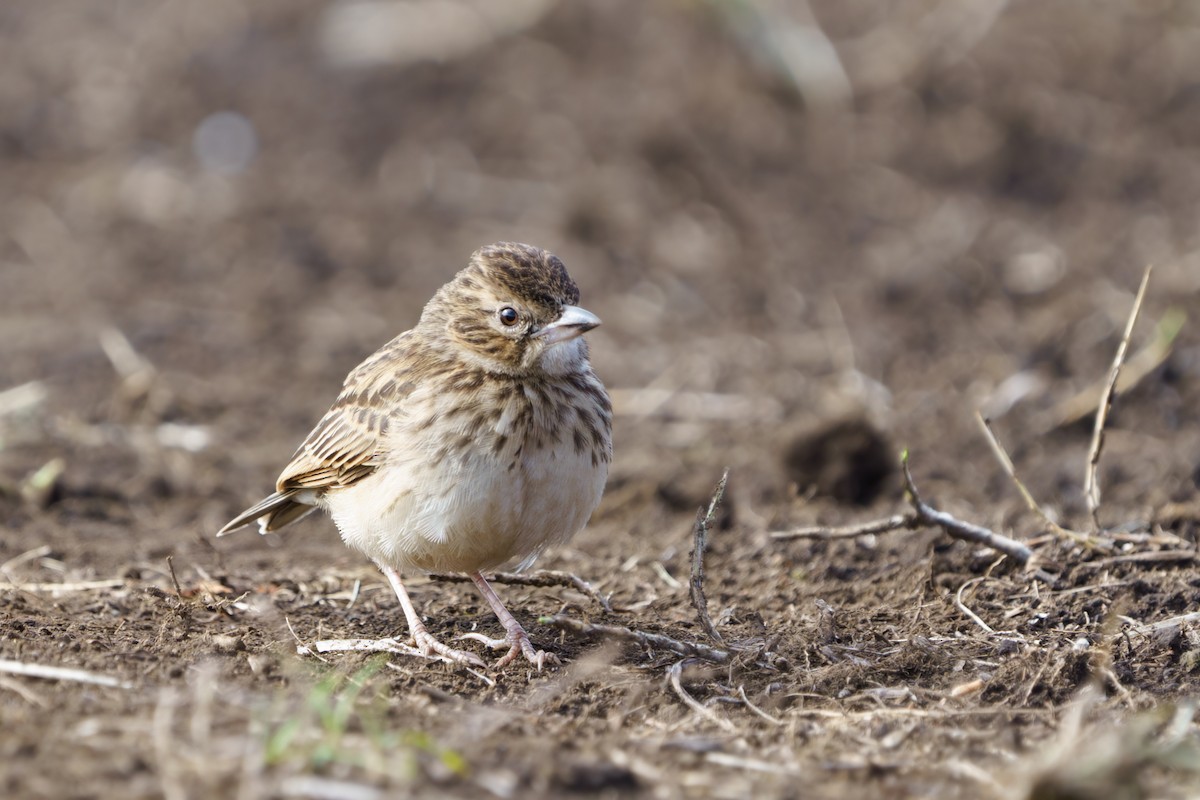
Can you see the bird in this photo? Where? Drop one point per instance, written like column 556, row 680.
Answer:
column 477, row 439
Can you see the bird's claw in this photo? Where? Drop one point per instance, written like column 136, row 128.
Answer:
column 428, row 645
column 517, row 643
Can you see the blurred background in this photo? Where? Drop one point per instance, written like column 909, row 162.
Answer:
column 815, row 231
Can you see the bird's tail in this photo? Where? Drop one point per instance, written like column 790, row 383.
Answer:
column 272, row 513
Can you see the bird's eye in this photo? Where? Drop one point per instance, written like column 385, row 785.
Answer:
column 509, row 316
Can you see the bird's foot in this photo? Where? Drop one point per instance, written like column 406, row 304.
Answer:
column 518, row 643
column 423, row 640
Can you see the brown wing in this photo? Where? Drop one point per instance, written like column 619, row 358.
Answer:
column 345, row 445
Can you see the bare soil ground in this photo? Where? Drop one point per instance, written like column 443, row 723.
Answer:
column 809, row 253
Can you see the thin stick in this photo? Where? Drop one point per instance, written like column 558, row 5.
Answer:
column 704, row 521
column 301, row 648
column 1145, row 557
column 1091, row 488
column 1150, row 627
column 363, row 645
column 958, row 529
column 892, row 523
column 691, row 702
column 1137, row 367
column 664, row 576
column 174, row 578
column 716, row 655
column 758, row 711
column 64, row 588
column 961, row 606
column 543, row 577
column 752, row 764
column 1002, row 456
column 61, row 674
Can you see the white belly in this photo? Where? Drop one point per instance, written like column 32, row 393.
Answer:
column 472, row 513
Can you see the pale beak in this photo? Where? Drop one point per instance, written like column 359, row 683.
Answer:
column 574, row 321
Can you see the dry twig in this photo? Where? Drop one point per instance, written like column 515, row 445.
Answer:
column 704, row 522
column 69, row 587
column 674, row 674
column 962, row 606
column 1136, row 368
column 1145, row 557
column 924, row 514
column 958, row 529
column 61, row 674
column 1091, row 488
column 892, row 523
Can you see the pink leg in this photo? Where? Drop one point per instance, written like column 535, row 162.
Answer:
column 421, row 636
column 516, row 639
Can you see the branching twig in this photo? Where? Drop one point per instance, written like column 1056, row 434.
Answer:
column 1091, row 488
column 717, row 655
column 704, row 521
column 543, row 577
column 958, row 529
column 924, row 514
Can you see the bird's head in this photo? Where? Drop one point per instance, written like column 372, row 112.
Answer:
column 514, row 310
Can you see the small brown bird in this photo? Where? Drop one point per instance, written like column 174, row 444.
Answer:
column 479, row 437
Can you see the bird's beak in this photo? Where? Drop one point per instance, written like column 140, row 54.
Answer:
column 574, row 321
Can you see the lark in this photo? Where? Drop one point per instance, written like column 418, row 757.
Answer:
column 477, row 439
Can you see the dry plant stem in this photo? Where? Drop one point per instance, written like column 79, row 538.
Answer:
column 674, row 675
column 892, row 523
column 757, row 711
column 1091, row 489
column 366, row 645
column 543, row 577
column 704, row 522
column 1141, row 364
column 1150, row 627
column 753, row 764
column 958, row 529
column 717, row 655
column 961, row 606
column 174, row 578
column 1006, row 462
column 1147, row 557
column 61, row 674
column 67, row 588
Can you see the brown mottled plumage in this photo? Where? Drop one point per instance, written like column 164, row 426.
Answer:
column 479, row 437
